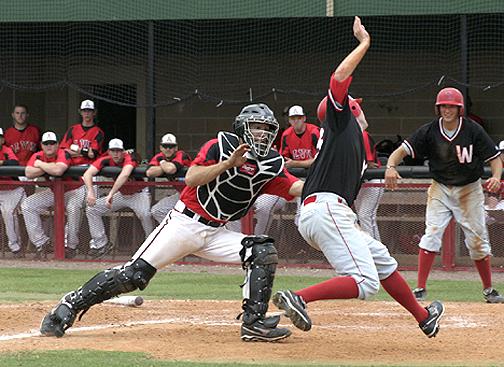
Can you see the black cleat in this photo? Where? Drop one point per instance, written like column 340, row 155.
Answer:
column 260, row 332
column 492, row 296
column 70, row 253
column 420, row 294
column 96, row 253
column 57, row 321
column 294, row 307
column 430, row 326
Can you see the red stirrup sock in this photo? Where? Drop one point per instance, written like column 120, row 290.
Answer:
column 396, row 286
column 334, row 288
column 425, row 261
column 484, row 271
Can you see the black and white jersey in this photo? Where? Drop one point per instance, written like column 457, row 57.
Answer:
column 231, row 194
column 341, row 158
column 457, row 160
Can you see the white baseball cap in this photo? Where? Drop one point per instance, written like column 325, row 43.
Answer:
column 296, row 111
column 501, row 146
column 169, row 139
column 1, row 131
column 116, row 144
column 49, row 136
column 87, row 105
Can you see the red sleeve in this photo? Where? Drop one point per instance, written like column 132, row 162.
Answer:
column 338, row 91
column 367, row 146
column 10, row 154
column 284, row 147
column 64, row 157
column 128, row 161
column 32, row 159
column 97, row 142
column 208, row 155
column 99, row 163
column 182, row 158
column 154, row 160
column 281, row 185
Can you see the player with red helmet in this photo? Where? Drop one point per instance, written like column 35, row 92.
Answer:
column 457, row 149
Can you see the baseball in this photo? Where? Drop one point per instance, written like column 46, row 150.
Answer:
column 74, row 147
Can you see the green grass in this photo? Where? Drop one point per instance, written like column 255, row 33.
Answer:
column 87, row 358
column 17, row 285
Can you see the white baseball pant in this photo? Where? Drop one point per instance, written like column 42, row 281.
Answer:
column 330, row 226
column 9, row 200
column 366, row 206
column 465, row 204
column 138, row 202
column 163, row 206
column 35, row 205
column 264, row 207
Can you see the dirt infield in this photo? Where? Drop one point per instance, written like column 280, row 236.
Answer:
column 344, row 332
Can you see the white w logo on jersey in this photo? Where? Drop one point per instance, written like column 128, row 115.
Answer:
column 464, row 155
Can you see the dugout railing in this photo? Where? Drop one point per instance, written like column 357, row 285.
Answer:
column 400, row 218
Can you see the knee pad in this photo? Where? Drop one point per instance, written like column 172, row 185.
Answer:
column 111, row 283
column 259, row 258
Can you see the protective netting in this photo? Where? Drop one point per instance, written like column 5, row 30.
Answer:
column 222, row 51
column 30, row 219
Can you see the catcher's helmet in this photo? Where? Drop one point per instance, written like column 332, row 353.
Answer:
column 354, row 104
column 451, row 97
column 259, row 140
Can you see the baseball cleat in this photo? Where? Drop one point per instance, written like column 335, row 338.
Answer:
column 430, row 326
column 492, row 296
column 294, row 307
column 420, row 294
column 57, row 321
column 260, row 332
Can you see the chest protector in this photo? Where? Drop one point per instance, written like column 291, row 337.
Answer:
column 230, row 195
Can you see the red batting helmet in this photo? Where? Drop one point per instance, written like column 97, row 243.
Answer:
column 451, row 97
column 353, row 102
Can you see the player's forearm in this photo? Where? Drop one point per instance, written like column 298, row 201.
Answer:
column 88, row 180
column 302, row 164
column 119, row 182
column 297, row 188
column 154, row 171
column 350, row 63
column 50, row 168
column 496, row 168
column 32, row 172
column 201, row 175
column 396, row 157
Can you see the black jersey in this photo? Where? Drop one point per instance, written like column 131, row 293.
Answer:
column 456, row 160
column 341, row 158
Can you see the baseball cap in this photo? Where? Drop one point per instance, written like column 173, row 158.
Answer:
column 169, row 139
column 87, row 105
column 116, row 144
column 296, row 111
column 49, row 136
column 501, row 146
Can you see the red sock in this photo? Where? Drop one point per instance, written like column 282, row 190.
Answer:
column 396, row 286
column 484, row 271
column 425, row 261
column 334, row 288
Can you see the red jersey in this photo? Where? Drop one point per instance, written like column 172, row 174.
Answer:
column 91, row 137
column 107, row 161
column 371, row 155
column 180, row 159
column 23, row 142
column 9, row 159
column 229, row 196
column 300, row 147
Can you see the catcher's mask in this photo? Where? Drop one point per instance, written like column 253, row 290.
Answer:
column 259, row 139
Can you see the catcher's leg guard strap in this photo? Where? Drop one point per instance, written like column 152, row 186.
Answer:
column 110, row 283
column 259, row 258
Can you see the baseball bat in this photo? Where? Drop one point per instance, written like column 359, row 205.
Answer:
column 132, row 301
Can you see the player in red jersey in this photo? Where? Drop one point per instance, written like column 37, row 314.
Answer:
column 54, row 162
column 118, row 198
column 166, row 164
column 10, row 197
column 84, row 141
column 23, row 138
column 298, row 148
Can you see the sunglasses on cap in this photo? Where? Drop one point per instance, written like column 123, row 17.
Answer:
column 168, row 146
column 49, row 142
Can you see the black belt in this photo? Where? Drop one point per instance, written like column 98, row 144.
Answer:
column 202, row 220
